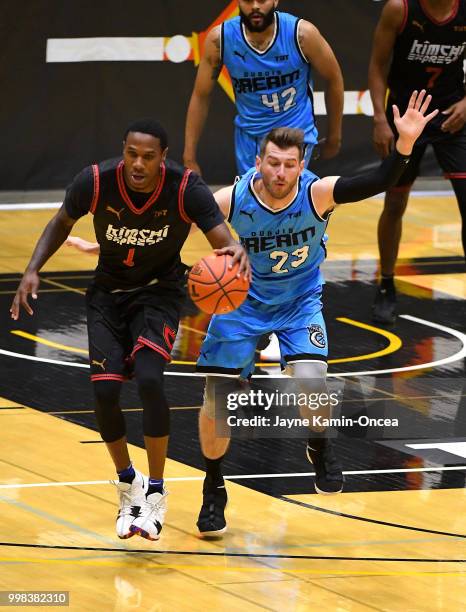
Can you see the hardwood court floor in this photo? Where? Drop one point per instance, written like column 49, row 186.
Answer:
column 395, row 540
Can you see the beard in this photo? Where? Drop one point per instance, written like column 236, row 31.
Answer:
column 267, row 20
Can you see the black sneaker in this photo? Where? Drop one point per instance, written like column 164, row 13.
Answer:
column 328, row 475
column 384, row 307
column 211, row 521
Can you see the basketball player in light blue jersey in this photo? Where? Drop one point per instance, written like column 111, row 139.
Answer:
column 280, row 212
column 270, row 56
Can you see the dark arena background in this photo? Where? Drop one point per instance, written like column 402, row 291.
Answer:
column 73, row 75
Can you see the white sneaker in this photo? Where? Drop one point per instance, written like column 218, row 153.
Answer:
column 272, row 350
column 151, row 515
column 131, row 497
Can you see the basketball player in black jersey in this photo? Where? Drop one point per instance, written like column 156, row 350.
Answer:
column 418, row 44
column 143, row 207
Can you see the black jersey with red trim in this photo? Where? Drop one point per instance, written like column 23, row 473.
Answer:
column 141, row 234
column 429, row 54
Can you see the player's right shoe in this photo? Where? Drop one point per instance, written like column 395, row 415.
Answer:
column 384, row 307
column 131, row 497
column 211, row 522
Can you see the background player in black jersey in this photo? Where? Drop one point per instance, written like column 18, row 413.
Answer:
column 143, row 207
column 417, row 44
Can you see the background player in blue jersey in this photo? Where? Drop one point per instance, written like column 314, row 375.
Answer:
column 280, row 212
column 270, row 56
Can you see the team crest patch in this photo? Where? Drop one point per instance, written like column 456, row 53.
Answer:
column 317, row 336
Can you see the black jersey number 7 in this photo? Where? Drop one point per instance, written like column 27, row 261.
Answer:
column 434, row 75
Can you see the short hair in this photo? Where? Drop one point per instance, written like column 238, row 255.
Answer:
column 284, row 138
column 149, row 126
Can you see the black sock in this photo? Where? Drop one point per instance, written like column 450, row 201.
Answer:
column 213, row 468
column 386, row 281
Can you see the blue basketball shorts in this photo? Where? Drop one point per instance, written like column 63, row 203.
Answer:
column 247, row 147
column 230, row 344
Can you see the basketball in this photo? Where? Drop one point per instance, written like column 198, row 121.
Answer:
column 214, row 287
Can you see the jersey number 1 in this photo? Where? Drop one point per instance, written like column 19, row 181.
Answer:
column 129, row 261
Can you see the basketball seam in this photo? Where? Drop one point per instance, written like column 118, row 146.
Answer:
column 218, row 282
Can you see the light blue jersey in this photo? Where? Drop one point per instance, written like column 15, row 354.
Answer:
column 272, row 87
column 286, row 246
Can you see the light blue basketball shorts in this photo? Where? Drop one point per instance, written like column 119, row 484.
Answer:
column 230, row 344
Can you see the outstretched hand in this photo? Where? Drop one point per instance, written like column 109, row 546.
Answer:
column 412, row 123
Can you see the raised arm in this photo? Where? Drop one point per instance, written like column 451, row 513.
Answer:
column 320, row 55
column 53, row 236
column 332, row 190
column 386, row 31
column 198, row 109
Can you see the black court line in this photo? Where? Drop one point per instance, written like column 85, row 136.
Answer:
column 12, row 408
column 206, row 553
column 368, row 520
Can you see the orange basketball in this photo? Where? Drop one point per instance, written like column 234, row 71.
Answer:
column 214, row 287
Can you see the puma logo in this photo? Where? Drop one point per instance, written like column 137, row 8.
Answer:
column 115, row 212
column 247, row 214
column 418, row 25
column 241, row 55
column 101, row 364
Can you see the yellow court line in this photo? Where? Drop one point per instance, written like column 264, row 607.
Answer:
column 62, row 286
column 193, row 329
column 57, row 345
column 394, row 344
column 223, row 568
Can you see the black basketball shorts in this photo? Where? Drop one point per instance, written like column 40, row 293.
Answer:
column 449, row 149
column 120, row 324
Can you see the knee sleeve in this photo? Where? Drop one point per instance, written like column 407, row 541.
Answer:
column 107, row 410
column 149, row 367
column 313, row 371
column 312, row 382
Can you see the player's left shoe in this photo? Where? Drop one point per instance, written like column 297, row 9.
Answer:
column 149, row 522
column 328, row 478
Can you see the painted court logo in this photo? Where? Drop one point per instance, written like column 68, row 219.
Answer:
column 317, row 336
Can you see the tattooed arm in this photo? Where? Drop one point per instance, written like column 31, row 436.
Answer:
column 198, row 109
